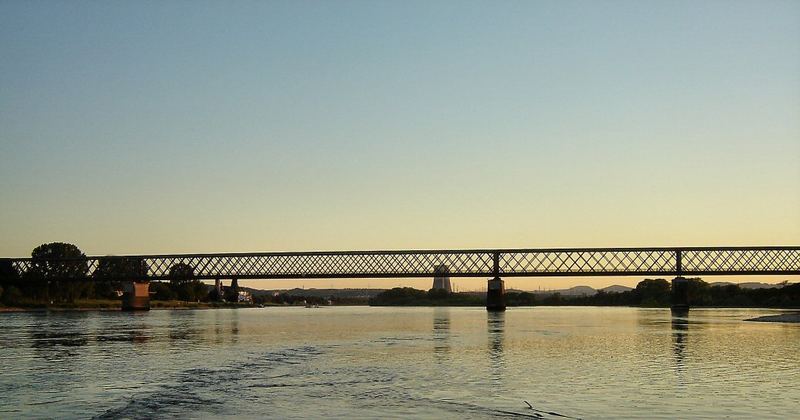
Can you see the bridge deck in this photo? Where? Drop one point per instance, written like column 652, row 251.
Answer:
column 398, row 264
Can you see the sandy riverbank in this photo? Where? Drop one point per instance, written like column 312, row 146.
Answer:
column 793, row 317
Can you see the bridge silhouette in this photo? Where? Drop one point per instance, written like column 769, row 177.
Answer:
column 494, row 263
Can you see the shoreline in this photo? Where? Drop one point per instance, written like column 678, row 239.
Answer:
column 155, row 306
column 788, row 317
column 16, row 310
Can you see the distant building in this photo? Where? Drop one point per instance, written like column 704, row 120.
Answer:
column 441, row 278
column 232, row 293
column 245, row 296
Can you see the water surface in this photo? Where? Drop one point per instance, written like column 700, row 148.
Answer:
column 399, row 362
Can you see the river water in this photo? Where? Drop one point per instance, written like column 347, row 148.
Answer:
column 399, row 362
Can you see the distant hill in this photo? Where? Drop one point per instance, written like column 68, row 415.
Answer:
column 580, row 291
column 748, row 285
column 572, row 291
column 325, row 293
column 616, row 289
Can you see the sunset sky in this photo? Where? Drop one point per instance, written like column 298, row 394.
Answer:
column 177, row 127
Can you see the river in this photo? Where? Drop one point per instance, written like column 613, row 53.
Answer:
column 341, row 362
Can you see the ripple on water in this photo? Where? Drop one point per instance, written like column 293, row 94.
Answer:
column 382, row 362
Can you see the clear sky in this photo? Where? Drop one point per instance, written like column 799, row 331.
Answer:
column 144, row 127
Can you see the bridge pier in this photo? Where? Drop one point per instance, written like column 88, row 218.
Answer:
column 496, row 295
column 496, row 288
column 136, row 296
column 680, row 295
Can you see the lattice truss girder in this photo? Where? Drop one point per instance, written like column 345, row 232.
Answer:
column 420, row 264
column 741, row 260
column 325, row 265
column 588, row 261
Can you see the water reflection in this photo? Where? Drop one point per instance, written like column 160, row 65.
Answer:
column 183, row 326
column 680, row 330
column 55, row 339
column 441, row 332
column 495, row 328
column 49, row 339
column 235, row 326
column 226, row 326
column 124, row 327
column 136, row 335
column 585, row 362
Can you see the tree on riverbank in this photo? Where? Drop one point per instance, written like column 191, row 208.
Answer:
column 112, row 271
column 653, row 292
column 8, row 273
column 649, row 293
column 407, row 296
column 58, row 273
column 185, row 285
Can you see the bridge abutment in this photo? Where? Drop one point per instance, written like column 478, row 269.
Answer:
column 136, row 296
column 680, row 294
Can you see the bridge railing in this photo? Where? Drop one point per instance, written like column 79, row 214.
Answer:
column 399, row 264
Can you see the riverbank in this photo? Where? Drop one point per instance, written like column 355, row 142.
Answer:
column 116, row 305
column 790, row 317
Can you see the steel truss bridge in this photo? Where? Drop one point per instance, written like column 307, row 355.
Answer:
column 684, row 261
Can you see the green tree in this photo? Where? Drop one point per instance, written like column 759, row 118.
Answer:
column 60, row 271
column 400, row 296
column 438, row 294
column 8, row 273
column 699, row 292
column 112, row 271
column 653, row 292
column 184, row 283
column 8, row 276
column 161, row 291
column 12, row 295
column 520, row 299
column 554, row 299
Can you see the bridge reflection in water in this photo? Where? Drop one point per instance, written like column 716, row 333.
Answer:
column 441, row 332
column 495, row 329
column 680, row 333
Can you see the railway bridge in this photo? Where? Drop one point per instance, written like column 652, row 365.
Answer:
column 676, row 262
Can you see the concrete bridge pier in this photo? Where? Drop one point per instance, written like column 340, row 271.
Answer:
column 680, row 295
column 496, row 295
column 136, row 296
column 496, row 289
column 680, row 287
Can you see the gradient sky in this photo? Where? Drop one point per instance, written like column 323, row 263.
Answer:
column 148, row 127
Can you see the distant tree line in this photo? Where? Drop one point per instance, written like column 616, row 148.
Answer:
column 658, row 293
column 648, row 293
column 407, row 296
column 299, row 299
